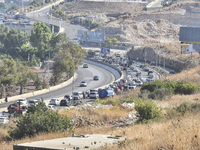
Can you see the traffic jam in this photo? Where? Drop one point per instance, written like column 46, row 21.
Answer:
column 135, row 74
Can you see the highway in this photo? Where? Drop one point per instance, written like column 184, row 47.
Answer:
column 42, row 16
column 86, row 74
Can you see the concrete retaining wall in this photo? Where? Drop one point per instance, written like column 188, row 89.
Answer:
column 35, row 93
column 154, row 58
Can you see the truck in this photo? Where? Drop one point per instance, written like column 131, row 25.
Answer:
column 105, row 93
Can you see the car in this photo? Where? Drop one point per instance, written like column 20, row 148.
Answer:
column 172, row 72
column 39, row 99
column 22, row 101
column 65, row 102
column 149, row 80
column 77, row 95
column 138, row 83
column 96, row 78
column 4, row 120
column 32, row 102
column 151, row 76
column 132, row 85
column 69, row 97
column 51, row 106
column 85, row 66
column 150, row 71
column 83, row 84
column 138, row 74
column 54, row 101
column 94, row 94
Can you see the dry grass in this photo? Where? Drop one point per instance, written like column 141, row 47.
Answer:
column 99, row 114
column 179, row 133
column 192, row 75
column 182, row 133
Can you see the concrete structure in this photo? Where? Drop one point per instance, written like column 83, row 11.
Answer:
column 75, row 142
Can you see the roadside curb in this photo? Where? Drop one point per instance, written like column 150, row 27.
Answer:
column 35, row 93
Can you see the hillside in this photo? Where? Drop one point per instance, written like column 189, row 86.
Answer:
column 158, row 29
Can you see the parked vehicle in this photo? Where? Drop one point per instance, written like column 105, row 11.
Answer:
column 85, row 66
column 83, row 84
column 65, row 102
column 105, row 93
column 54, row 101
column 96, row 78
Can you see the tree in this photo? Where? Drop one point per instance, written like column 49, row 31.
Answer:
column 56, row 41
column 62, row 63
column 26, row 52
column 67, row 60
column 40, row 38
column 77, row 52
column 24, row 74
column 8, row 72
column 13, row 42
column 147, row 110
column 39, row 119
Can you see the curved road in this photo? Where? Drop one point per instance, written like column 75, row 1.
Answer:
column 86, row 74
column 41, row 15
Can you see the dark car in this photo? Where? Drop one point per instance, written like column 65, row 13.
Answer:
column 96, row 78
column 85, row 66
column 64, row 102
column 150, row 71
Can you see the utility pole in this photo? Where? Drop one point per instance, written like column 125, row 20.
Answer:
column 48, row 69
column 73, row 77
column 19, row 6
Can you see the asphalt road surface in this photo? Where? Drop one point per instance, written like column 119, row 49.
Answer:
column 85, row 74
column 42, row 16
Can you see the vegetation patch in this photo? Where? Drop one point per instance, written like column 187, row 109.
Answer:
column 160, row 89
column 39, row 119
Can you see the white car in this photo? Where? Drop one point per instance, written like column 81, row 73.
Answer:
column 94, row 95
column 83, row 83
column 22, row 101
column 77, row 95
column 54, row 101
column 32, row 102
column 4, row 120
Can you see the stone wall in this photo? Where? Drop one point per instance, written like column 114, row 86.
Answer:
column 152, row 57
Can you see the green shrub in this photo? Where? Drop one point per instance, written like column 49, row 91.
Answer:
column 39, row 119
column 147, row 111
column 186, row 88
column 187, row 107
column 159, row 87
column 160, row 94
